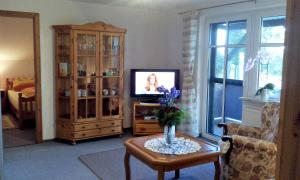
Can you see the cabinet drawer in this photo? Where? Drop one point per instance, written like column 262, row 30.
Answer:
column 88, row 133
column 111, row 130
column 112, row 123
column 148, row 128
column 87, row 126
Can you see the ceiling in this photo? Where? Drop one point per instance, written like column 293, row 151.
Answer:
column 169, row 5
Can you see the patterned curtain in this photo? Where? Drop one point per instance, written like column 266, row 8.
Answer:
column 189, row 55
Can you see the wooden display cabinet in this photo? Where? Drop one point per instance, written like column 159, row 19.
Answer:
column 89, row 80
column 142, row 125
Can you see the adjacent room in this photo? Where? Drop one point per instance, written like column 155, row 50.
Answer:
column 17, row 81
column 149, row 89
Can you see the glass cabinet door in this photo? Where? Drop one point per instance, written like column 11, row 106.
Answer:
column 86, row 68
column 111, row 73
column 64, row 73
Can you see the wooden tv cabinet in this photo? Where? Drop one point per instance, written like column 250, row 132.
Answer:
column 142, row 125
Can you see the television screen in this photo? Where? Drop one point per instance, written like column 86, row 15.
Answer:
column 144, row 82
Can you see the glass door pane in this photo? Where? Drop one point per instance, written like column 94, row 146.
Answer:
column 87, row 66
column 235, row 63
column 81, row 98
column 110, row 96
column 215, row 94
column 91, row 88
column 115, row 58
column 110, row 71
column 227, row 55
column 233, row 103
column 215, row 114
column 64, row 73
column 111, row 55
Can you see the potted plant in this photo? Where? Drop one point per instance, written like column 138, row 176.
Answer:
column 169, row 114
column 264, row 91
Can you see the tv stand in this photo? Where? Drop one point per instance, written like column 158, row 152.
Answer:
column 143, row 120
column 148, row 100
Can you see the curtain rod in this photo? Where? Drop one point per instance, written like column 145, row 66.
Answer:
column 228, row 4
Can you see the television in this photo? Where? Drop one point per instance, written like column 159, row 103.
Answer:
column 144, row 82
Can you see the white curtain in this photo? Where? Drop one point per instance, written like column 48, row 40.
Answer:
column 189, row 61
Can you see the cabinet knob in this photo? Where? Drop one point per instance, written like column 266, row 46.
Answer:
column 112, row 123
column 83, row 127
column 112, row 130
column 83, row 134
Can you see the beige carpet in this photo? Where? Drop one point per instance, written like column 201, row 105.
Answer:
column 8, row 121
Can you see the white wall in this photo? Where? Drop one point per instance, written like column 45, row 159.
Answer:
column 16, row 48
column 148, row 42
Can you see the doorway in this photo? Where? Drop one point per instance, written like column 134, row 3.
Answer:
column 20, row 79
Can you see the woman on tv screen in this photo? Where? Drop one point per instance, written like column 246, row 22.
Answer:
column 152, row 84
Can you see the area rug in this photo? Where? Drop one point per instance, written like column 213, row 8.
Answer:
column 8, row 122
column 109, row 165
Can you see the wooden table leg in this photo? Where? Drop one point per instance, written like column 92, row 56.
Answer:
column 127, row 165
column 217, row 169
column 177, row 174
column 161, row 175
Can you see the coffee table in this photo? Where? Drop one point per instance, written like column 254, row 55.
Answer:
column 164, row 163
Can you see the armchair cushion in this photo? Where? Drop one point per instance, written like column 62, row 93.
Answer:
column 242, row 130
column 251, row 159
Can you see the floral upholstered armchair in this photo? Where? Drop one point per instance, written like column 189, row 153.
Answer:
column 251, row 153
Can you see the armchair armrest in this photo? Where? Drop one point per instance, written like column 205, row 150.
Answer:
column 227, row 154
column 225, row 128
column 242, row 130
column 252, row 144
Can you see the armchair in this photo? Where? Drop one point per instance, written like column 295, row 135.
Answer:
column 252, row 151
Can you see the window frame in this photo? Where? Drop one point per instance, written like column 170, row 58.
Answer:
column 267, row 45
column 257, row 26
column 253, row 41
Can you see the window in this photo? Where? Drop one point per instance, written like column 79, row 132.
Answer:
column 227, row 52
column 271, row 51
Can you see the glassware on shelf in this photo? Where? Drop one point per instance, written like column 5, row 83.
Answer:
column 113, row 92
column 83, row 92
column 63, row 69
column 114, row 71
column 111, row 72
column 86, row 45
column 115, row 46
column 105, row 92
column 67, row 93
column 91, row 87
column 81, row 70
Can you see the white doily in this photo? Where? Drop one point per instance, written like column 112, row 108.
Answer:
column 180, row 146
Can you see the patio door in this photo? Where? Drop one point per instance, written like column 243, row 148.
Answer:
column 227, row 52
